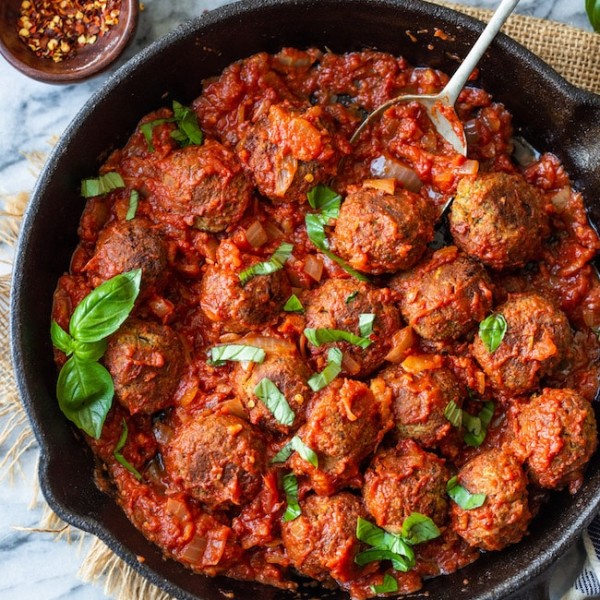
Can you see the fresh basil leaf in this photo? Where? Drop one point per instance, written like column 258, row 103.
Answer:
column 101, row 185
column 120, row 458
column 400, row 563
column 275, row 263
column 418, row 528
column 324, row 199
column 270, row 395
column 453, row 414
column 104, row 309
column 297, row 445
column 133, row 205
column 321, row 335
column 333, row 368
column 85, row 391
column 344, row 265
column 219, row 355
column 283, row 454
column 89, row 350
column 293, row 304
column 351, row 296
column 148, row 128
column 592, row 8
column 388, row 585
column 365, row 324
column 188, row 131
column 476, row 427
column 61, row 339
column 462, row 496
column 492, row 330
column 290, row 487
column 380, row 538
column 315, row 229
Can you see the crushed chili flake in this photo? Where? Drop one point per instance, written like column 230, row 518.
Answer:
column 56, row 28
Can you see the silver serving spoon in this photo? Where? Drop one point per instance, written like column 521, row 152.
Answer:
column 442, row 104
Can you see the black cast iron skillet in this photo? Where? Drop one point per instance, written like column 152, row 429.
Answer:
column 553, row 116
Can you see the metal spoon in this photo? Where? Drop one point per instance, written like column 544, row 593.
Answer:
column 442, row 104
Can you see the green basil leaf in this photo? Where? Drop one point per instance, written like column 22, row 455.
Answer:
column 334, row 366
column 120, row 458
column 275, row 263
column 492, row 330
column 351, row 296
column 400, row 563
column 320, row 336
column 188, row 131
column 297, row 445
column 133, row 205
column 104, row 309
column 85, row 391
column 592, row 8
column 462, row 496
column 476, row 427
column 453, row 414
column 382, row 539
column 90, row 350
column 324, row 199
column 365, row 324
column 293, row 304
column 388, row 585
column 283, row 454
column 101, row 185
column 315, row 229
column 270, row 395
column 147, row 129
column 61, row 339
column 418, row 528
column 290, row 487
column 344, row 265
column 219, row 355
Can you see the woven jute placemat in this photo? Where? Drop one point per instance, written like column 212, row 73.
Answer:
column 574, row 53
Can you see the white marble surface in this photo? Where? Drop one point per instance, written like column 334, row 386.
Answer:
column 33, row 566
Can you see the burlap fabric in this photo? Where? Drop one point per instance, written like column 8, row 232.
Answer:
column 574, row 53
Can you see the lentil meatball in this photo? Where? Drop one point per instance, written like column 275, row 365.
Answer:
column 557, row 434
column 537, row 339
column 338, row 304
column 499, row 219
column 145, row 360
column 241, row 308
column 321, row 543
column 419, row 400
column 504, row 516
column 377, row 232
column 204, row 184
column 289, row 151
column 403, row 480
column 289, row 373
column 218, row 460
column 344, row 424
column 126, row 245
column 444, row 297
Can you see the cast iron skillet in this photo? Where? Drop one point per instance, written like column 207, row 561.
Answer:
column 553, row 115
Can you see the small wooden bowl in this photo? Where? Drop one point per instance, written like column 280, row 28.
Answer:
column 83, row 63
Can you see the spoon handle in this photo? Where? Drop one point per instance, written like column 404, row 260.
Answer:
column 458, row 80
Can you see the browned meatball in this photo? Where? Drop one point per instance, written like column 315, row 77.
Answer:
column 419, row 400
column 289, row 373
column 242, row 308
column 344, row 423
column 499, row 219
column 379, row 233
column 321, row 543
column 218, row 460
column 556, row 432
column 537, row 339
column 446, row 296
column 126, row 245
column 403, row 480
column 338, row 304
column 288, row 152
column 205, row 185
column 145, row 360
column 504, row 516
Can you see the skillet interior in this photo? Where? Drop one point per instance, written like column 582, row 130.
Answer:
column 553, row 115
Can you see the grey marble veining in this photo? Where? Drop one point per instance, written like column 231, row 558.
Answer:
column 33, row 566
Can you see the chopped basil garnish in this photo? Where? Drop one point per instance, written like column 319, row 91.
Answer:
column 365, row 324
column 418, row 528
column 492, row 330
column 462, row 496
column 399, row 562
column 290, row 487
column 334, row 365
column 275, row 263
column 320, row 336
column 388, row 585
column 270, row 395
column 324, row 199
column 219, row 355
column 293, row 304
column 120, row 458
column 296, row 444
column 133, row 205
column 475, row 427
column 101, row 185
column 453, row 414
column 351, row 296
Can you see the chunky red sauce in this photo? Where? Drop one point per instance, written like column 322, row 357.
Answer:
column 517, row 244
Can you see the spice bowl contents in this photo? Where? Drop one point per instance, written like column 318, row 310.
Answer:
column 61, row 41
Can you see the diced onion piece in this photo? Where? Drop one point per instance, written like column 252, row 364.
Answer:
column 402, row 341
column 469, row 167
column 212, row 246
column 234, row 407
column 273, row 231
column 194, row 551
column 561, row 198
column 256, row 235
column 313, row 267
column 229, row 338
column 269, row 344
column 161, row 307
column 285, row 172
column 162, row 433
column 154, row 472
column 349, row 364
column 178, row 509
column 385, row 185
column 215, row 547
column 471, row 129
column 415, row 363
column 188, row 396
column 386, row 167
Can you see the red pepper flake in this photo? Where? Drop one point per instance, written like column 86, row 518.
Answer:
column 56, row 28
